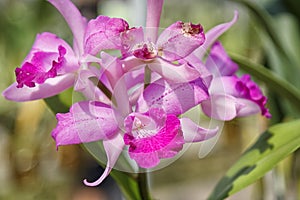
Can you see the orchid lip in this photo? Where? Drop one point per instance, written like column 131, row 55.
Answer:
column 145, row 51
column 34, row 71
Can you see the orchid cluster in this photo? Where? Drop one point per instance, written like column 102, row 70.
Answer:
column 141, row 95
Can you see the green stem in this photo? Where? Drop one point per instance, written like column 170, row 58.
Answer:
column 142, row 180
column 147, row 76
column 275, row 83
column 104, row 89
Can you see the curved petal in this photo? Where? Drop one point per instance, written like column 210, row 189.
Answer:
column 49, row 88
column 248, row 108
column 174, row 73
column 104, row 33
column 240, row 87
column 173, row 98
column 219, row 63
column 154, row 8
column 199, row 66
column 113, row 149
column 194, row 133
column 112, row 68
column 179, row 40
column 49, row 42
column 73, row 17
column 87, row 121
column 213, row 34
column 120, row 95
column 88, row 88
column 224, row 85
column 221, row 107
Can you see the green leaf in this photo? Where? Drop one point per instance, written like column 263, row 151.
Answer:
column 60, row 103
column 271, row 147
column 128, row 184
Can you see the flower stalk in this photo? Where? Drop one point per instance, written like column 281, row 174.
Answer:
column 143, row 184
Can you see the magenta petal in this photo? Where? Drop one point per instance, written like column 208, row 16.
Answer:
column 74, row 19
column 146, row 160
column 213, row 34
column 174, row 73
column 219, row 63
column 243, row 88
column 179, row 40
column 49, row 88
column 47, row 46
column 147, row 144
column 113, row 149
column 173, row 98
column 49, row 57
column 221, row 106
column 194, row 133
column 104, row 33
column 248, row 89
column 87, row 121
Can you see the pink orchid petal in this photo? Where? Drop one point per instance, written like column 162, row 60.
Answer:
column 49, row 88
column 213, row 34
column 104, row 33
column 196, row 63
column 132, row 39
column 174, row 73
column 219, row 63
column 49, row 42
column 224, row 84
column 241, row 88
column 88, row 88
column 120, row 95
column 131, row 63
column 154, row 8
column 113, row 148
column 112, row 68
column 179, row 40
column 74, row 19
column 87, row 121
column 248, row 108
column 221, row 107
column 194, row 133
column 134, row 78
column 173, row 98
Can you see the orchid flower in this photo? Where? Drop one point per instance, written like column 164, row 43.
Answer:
column 151, row 128
column 53, row 66
column 140, row 116
column 143, row 46
column 231, row 96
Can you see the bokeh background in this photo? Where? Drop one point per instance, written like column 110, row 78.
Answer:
column 32, row 168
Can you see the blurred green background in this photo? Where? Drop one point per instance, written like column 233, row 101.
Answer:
column 30, row 166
